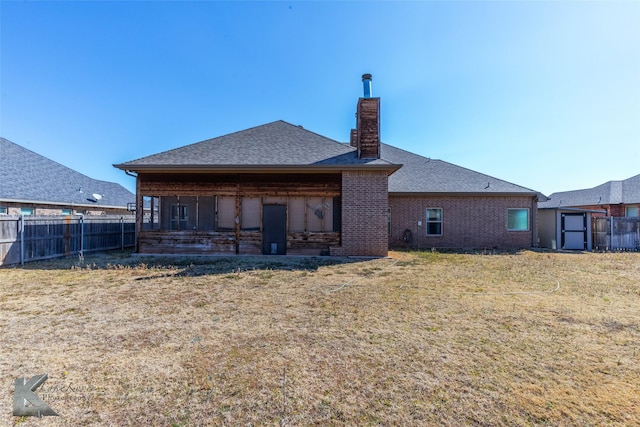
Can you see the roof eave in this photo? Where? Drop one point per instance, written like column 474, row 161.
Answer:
column 252, row 168
column 572, row 209
column 54, row 203
column 461, row 194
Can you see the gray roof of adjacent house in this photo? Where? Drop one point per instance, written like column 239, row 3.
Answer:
column 278, row 144
column 282, row 145
column 28, row 177
column 610, row 193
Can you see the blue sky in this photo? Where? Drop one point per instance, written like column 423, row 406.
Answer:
column 544, row 94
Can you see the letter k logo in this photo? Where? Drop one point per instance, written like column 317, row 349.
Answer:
column 24, row 395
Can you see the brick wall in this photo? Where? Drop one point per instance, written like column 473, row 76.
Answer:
column 365, row 200
column 368, row 128
column 467, row 222
column 612, row 210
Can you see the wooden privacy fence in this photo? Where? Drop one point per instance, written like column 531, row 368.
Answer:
column 616, row 233
column 29, row 238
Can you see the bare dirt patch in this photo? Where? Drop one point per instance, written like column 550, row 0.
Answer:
column 419, row 339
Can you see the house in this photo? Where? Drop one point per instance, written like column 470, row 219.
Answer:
column 435, row 204
column 614, row 198
column 572, row 219
column 31, row 184
column 281, row 189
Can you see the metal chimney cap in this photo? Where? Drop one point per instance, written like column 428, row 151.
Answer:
column 366, row 77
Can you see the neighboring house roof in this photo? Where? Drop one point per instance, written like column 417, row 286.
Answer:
column 28, row 177
column 609, row 193
column 278, row 145
column 423, row 175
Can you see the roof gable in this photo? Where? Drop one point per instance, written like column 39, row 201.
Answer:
column 281, row 145
column 29, row 177
column 276, row 144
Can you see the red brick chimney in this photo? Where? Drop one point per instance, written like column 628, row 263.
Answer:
column 353, row 138
column 367, row 133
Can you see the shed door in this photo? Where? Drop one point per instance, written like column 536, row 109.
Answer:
column 274, row 230
column 574, row 231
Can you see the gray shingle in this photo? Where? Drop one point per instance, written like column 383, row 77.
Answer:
column 610, row 193
column 28, row 176
column 281, row 144
column 274, row 144
column 423, row 175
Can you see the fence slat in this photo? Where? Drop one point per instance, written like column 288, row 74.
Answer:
column 45, row 237
column 616, row 233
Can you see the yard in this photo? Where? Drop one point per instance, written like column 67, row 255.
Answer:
column 422, row 338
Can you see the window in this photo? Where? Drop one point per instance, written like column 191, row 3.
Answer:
column 3, row 210
column 179, row 217
column 27, row 211
column 632, row 211
column 66, row 212
column 434, row 222
column 518, row 219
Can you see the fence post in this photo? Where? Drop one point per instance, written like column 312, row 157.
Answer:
column 122, row 233
column 81, row 236
column 21, row 239
column 611, row 232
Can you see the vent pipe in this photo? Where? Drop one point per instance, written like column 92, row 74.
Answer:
column 366, row 82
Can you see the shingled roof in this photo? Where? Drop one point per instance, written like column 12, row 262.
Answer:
column 610, row 193
column 274, row 145
column 283, row 146
column 423, row 175
column 28, row 177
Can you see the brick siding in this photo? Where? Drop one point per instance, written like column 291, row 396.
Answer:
column 612, row 210
column 467, row 222
column 368, row 128
column 365, row 200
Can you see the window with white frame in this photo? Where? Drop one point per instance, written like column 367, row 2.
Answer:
column 3, row 210
column 433, row 224
column 632, row 211
column 518, row 219
column 27, row 211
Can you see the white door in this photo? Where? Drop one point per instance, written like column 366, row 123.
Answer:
column 574, row 231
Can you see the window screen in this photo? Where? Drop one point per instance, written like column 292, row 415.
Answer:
column 226, row 213
column 315, row 214
column 296, row 213
column 250, row 213
column 206, row 213
column 150, row 213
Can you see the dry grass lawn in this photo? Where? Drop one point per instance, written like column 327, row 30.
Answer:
column 528, row 338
